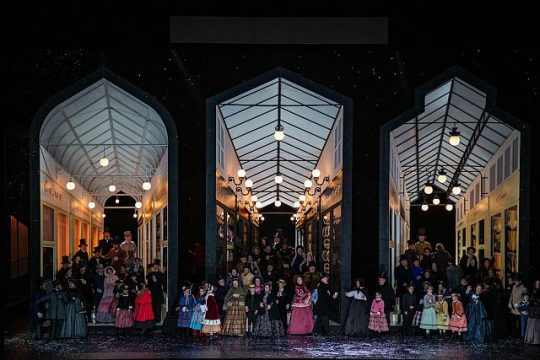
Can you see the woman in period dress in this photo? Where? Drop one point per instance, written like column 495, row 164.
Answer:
column 377, row 317
column 458, row 321
column 357, row 319
column 124, row 319
column 143, row 314
column 75, row 323
column 235, row 319
column 429, row 317
column 301, row 322
column 212, row 320
column 186, row 305
column 268, row 323
column 443, row 319
column 106, row 311
column 199, row 310
column 480, row 326
column 532, row 333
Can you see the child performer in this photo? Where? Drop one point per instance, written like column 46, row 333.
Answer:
column 124, row 320
column 441, row 309
column 429, row 317
column 458, row 321
column 377, row 318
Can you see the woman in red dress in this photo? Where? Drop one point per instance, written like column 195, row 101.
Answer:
column 212, row 321
column 143, row 315
column 301, row 314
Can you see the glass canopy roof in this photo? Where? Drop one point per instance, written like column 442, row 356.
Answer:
column 251, row 119
column 104, row 119
column 422, row 143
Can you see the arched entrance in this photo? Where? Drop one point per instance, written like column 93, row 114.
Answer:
column 102, row 116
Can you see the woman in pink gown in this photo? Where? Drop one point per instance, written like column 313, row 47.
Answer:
column 301, row 313
column 106, row 311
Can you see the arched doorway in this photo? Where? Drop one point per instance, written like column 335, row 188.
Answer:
column 102, row 116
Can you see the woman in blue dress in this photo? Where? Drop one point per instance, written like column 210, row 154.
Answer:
column 186, row 305
column 480, row 324
column 75, row 324
column 199, row 311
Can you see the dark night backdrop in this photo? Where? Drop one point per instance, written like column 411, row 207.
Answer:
column 500, row 48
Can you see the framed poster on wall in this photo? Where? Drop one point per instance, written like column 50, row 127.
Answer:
column 496, row 240
column 511, row 240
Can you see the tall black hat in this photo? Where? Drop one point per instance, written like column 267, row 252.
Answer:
column 82, row 242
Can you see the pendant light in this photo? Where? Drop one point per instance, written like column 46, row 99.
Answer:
column 436, row 200
column 70, row 185
column 249, row 183
column 278, row 179
column 277, row 203
column 241, row 173
column 104, row 161
column 146, row 185
column 91, row 204
column 279, row 134
column 254, row 198
column 456, row 189
column 117, row 200
column 442, row 176
column 449, row 207
column 454, row 138
column 428, row 188
column 112, row 188
column 296, row 204
column 425, row 206
column 138, row 204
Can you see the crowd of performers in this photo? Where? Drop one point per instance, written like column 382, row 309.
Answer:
column 433, row 295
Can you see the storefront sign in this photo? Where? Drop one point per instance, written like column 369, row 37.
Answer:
column 79, row 210
column 505, row 195
column 333, row 193
column 53, row 194
column 224, row 194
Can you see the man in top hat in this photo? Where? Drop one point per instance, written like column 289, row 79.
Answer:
column 130, row 248
column 106, row 243
column 388, row 295
column 322, row 307
column 156, row 285
column 95, row 260
column 64, row 269
column 422, row 243
column 82, row 253
column 403, row 275
column 117, row 255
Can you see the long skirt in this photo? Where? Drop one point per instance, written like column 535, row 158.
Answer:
column 107, row 309
column 357, row 318
column 429, row 319
column 532, row 333
column 378, row 323
column 197, row 320
column 301, row 322
column 184, row 318
column 123, row 319
column 211, row 326
column 458, row 324
column 417, row 319
column 235, row 321
column 74, row 325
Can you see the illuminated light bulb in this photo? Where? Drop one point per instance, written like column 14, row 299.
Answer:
column 316, row 173
column 135, row 215
column 262, row 218
column 308, row 183
column 146, row 185
column 103, row 215
column 241, row 173
column 91, row 204
column 70, row 185
column 279, row 134
column 292, row 218
column 112, row 188
column 104, row 161
column 249, row 183
column 277, row 203
column 117, row 200
column 428, row 189
column 259, row 204
column 442, row 176
column 254, row 198
column 302, row 198
column 425, row 207
column 296, row 204
column 454, row 139
column 278, row 179
column 449, row 207
column 436, row 200
column 138, row 204
column 456, row 190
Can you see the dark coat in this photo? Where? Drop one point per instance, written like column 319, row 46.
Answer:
column 81, row 254
column 388, row 296
column 408, row 300
column 404, row 277
column 322, row 306
column 57, row 308
column 220, row 294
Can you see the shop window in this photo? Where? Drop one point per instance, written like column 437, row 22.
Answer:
column 19, row 248
column 48, row 262
column 165, row 228
column 337, row 145
column 478, row 194
column 48, row 224
column 220, row 148
column 62, row 243
column 492, row 177
column 515, row 154
column 471, row 199
column 507, row 162
column 500, row 170
column 481, row 226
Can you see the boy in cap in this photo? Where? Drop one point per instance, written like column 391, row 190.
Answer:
column 252, row 307
column 408, row 304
